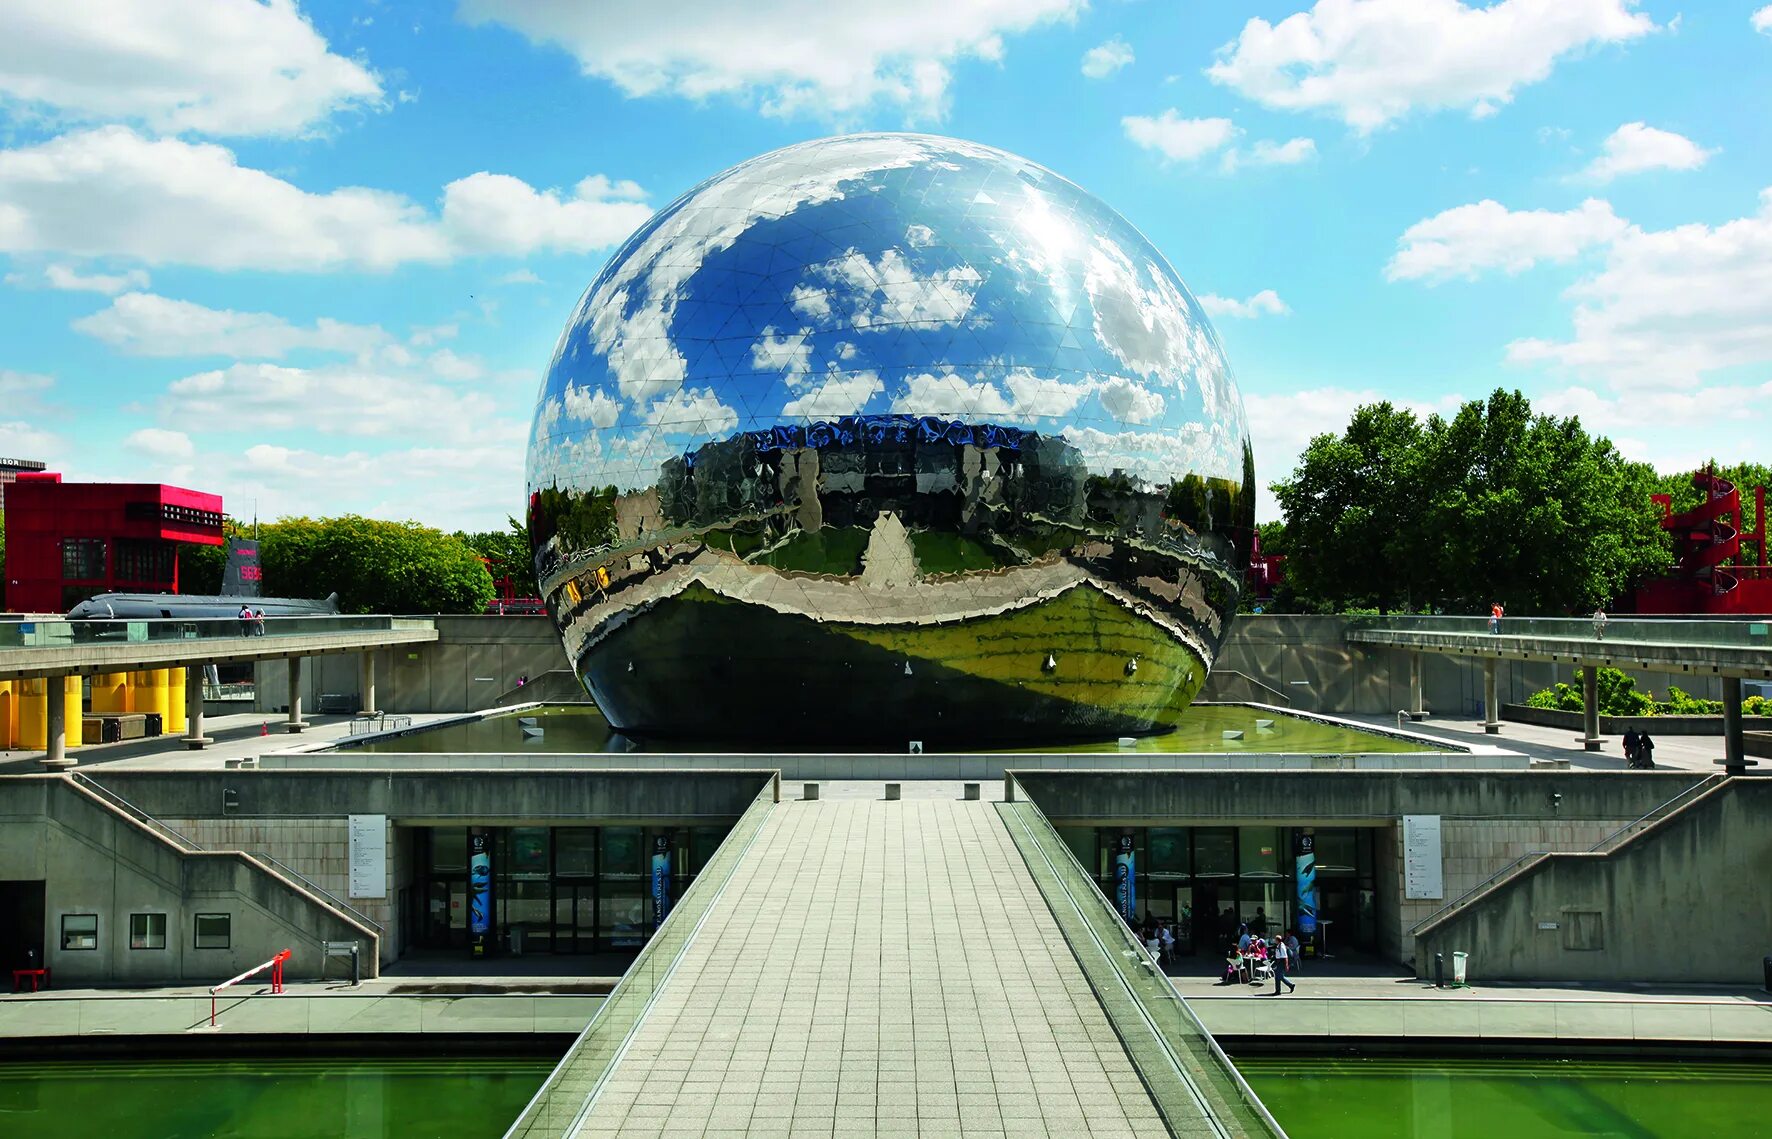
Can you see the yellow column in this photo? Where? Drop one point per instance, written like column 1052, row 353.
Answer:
column 152, row 697
column 110, row 694
column 33, row 714
column 133, row 683
column 72, row 715
column 175, row 702
column 8, row 715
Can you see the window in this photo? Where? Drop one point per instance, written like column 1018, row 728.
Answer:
column 79, row 931
column 143, row 561
column 147, row 931
column 83, row 559
column 214, row 931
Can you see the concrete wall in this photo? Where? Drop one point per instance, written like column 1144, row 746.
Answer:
column 474, row 661
column 1686, row 900
column 93, row 860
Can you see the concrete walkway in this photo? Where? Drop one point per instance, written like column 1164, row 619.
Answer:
column 1682, row 753
column 877, row 967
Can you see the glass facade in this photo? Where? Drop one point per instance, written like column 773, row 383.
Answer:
column 1208, row 881
column 555, row 889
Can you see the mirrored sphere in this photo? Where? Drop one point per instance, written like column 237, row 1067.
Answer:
column 889, row 438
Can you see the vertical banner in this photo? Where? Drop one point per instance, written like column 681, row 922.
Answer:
column 479, row 892
column 1304, row 869
column 661, row 880
column 1126, row 880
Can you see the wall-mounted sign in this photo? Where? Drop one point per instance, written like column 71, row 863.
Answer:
column 368, row 855
column 1423, row 875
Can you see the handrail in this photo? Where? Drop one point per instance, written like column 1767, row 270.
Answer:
column 1656, row 813
column 1020, row 807
column 187, row 843
column 1279, row 697
column 275, row 965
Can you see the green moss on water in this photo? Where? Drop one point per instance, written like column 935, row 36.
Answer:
column 1408, row 1098
column 309, row 1098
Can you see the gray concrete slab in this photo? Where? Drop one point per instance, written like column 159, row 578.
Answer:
column 1672, row 753
column 877, row 967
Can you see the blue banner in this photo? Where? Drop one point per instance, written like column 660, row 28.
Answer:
column 479, row 890
column 1126, row 880
column 1304, row 858
column 661, row 880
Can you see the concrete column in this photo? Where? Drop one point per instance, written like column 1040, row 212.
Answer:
column 55, row 718
column 194, row 737
column 1491, row 703
column 294, row 723
column 1734, row 757
column 366, row 682
column 1416, row 711
column 1590, row 707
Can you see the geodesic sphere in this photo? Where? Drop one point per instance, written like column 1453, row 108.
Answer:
column 889, row 438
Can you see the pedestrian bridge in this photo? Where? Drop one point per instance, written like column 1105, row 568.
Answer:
column 856, row 964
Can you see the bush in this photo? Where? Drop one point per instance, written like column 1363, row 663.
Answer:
column 1562, row 698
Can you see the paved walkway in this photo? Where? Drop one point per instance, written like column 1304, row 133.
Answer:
column 877, row 967
column 1685, row 753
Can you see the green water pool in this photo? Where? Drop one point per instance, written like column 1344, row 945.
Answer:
column 427, row 1098
column 1407, row 1098
column 581, row 729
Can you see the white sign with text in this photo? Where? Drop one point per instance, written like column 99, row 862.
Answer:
column 1422, row 870
column 369, row 856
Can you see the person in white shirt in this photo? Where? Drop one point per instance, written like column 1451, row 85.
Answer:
column 1281, row 958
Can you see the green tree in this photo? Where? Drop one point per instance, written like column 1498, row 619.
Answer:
column 374, row 566
column 507, row 552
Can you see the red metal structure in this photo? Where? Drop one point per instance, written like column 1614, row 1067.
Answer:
column 66, row 542
column 1715, row 571
column 1265, row 571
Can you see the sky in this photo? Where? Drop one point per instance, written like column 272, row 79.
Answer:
column 316, row 257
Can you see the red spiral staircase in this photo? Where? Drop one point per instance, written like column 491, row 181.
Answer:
column 1712, row 574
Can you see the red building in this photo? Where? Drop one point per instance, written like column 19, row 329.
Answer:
column 66, row 542
column 10, row 469
column 1721, row 565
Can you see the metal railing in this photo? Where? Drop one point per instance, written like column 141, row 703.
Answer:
column 1716, row 633
column 1606, row 844
column 565, row 1098
column 61, row 632
column 380, row 722
column 187, row 843
column 1193, row 1083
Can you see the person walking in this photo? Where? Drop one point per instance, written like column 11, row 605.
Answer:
column 1645, row 752
column 1599, row 624
column 1281, row 957
column 1632, row 743
column 1496, row 613
column 1294, row 956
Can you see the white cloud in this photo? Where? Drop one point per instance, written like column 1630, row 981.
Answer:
column 1103, row 60
column 427, row 335
column 26, row 440
column 344, row 399
column 1762, row 20
column 1288, row 153
column 1667, row 307
column 69, row 279
column 217, row 67
column 448, row 364
column 868, row 294
column 689, row 411
column 1467, row 240
column 160, row 443
column 839, row 394
column 791, row 56
column 1370, row 62
column 592, row 405
column 1130, row 402
column 20, row 385
column 1178, row 139
column 484, row 478
column 110, row 192
column 1265, row 303
column 1018, row 394
column 143, row 324
column 789, row 353
column 518, row 277
column 1635, row 147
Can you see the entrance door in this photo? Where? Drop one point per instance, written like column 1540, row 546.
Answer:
column 21, row 925
column 575, row 918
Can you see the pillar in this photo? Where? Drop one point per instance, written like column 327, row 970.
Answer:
column 73, row 694
column 1734, row 757
column 55, row 724
column 33, row 710
column 1491, row 702
column 1590, row 707
column 176, row 683
column 8, row 714
column 294, row 723
column 110, row 693
column 134, row 682
column 194, row 737
column 1416, row 711
column 367, row 683
column 152, row 696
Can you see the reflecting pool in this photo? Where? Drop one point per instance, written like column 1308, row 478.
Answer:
column 308, row 1098
column 570, row 729
column 1407, row 1098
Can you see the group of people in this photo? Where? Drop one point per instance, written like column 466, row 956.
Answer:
column 1639, row 750
column 1159, row 941
column 252, row 622
column 1245, row 958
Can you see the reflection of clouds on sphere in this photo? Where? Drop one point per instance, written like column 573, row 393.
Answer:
column 886, row 273
column 848, row 288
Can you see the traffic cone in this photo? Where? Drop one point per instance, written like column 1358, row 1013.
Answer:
column 264, row 729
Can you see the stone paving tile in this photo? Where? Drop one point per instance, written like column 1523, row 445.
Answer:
column 877, row 968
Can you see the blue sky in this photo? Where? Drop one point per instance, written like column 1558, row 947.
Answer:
column 316, row 258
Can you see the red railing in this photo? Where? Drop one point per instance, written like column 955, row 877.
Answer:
column 275, row 965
